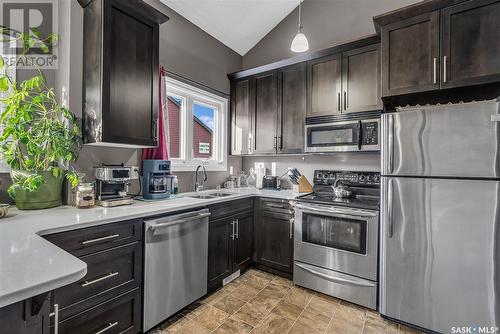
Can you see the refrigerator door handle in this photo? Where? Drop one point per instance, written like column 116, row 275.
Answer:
column 389, row 208
column 390, row 143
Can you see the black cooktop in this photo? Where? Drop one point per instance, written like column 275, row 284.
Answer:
column 365, row 188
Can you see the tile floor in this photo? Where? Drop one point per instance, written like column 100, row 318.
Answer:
column 258, row 302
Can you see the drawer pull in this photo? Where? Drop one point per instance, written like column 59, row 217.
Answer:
column 275, row 206
column 108, row 327
column 91, row 241
column 87, row 283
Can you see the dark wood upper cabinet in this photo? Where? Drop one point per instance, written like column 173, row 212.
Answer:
column 264, row 118
column 437, row 45
column 121, row 72
column 410, row 55
column 361, row 82
column 291, row 108
column 324, row 86
column 241, row 119
column 470, row 41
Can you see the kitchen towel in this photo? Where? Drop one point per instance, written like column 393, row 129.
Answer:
column 159, row 152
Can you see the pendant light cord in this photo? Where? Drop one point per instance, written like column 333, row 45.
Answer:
column 300, row 15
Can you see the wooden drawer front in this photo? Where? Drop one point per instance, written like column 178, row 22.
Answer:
column 109, row 273
column 279, row 206
column 93, row 239
column 230, row 208
column 121, row 314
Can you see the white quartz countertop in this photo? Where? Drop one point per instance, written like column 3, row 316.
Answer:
column 31, row 265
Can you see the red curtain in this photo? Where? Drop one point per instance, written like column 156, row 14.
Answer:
column 159, row 152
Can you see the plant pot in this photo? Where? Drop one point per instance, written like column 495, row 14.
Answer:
column 49, row 194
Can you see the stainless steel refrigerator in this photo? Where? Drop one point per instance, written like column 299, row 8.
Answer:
column 440, row 214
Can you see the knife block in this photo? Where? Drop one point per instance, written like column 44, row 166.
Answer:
column 304, row 186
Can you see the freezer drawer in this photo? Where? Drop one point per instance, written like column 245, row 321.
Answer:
column 351, row 288
column 460, row 140
column 440, row 255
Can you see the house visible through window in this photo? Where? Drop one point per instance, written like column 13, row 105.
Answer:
column 196, row 127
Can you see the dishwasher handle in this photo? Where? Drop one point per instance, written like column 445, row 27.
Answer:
column 156, row 224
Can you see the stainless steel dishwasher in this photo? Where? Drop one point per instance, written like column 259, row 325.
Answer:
column 176, row 259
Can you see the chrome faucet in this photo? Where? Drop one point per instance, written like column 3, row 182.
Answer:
column 198, row 185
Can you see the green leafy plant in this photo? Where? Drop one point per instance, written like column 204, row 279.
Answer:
column 38, row 133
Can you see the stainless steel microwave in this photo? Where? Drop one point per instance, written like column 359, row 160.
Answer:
column 343, row 136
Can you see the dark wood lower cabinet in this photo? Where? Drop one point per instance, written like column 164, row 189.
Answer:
column 243, row 241
column 30, row 316
column 230, row 240
column 121, row 314
column 274, row 236
column 219, row 251
column 108, row 299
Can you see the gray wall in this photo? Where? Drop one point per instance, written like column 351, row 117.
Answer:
column 326, row 23
column 184, row 49
column 308, row 163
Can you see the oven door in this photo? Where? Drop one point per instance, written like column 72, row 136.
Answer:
column 337, row 238
column 361, row 135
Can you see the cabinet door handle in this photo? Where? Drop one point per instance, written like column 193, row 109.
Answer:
column 345, row 100
column 435, row 70
column 108, row 327
column 338, row 102
column 232, row 229
column 275, row 206
column 155, row 130
column 291, row 221
column 444, row 69
column 55, row 314
column 237, row 228
column 108, row 237
column 103, row 278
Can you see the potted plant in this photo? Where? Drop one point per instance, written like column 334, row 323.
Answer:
column 39, row 138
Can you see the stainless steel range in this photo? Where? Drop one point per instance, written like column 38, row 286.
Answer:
column 336, row 239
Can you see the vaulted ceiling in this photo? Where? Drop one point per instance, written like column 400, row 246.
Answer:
column 239, row 24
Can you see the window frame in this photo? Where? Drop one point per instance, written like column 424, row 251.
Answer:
column 11, row 71
column 193, row 95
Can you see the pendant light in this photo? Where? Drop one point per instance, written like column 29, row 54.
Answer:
column 300, row 43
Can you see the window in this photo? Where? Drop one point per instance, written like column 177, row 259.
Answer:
column 196, row 127
column 11, row 71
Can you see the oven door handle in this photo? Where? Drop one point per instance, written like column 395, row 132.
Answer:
column 336, row 279
column 326, row 210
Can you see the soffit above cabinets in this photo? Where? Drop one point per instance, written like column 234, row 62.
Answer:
column 238, row 24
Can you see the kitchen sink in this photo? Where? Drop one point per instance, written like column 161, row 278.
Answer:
column 211, row 195
column 204, row 196
column 221, row 194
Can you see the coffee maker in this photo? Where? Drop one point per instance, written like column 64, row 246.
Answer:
column 112, row 182
column 156, row 179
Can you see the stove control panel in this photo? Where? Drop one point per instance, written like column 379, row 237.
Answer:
column 328, row 177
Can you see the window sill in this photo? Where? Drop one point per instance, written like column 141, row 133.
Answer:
column 190, row 167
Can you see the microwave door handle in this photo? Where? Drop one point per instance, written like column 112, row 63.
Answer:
column 360, row 135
